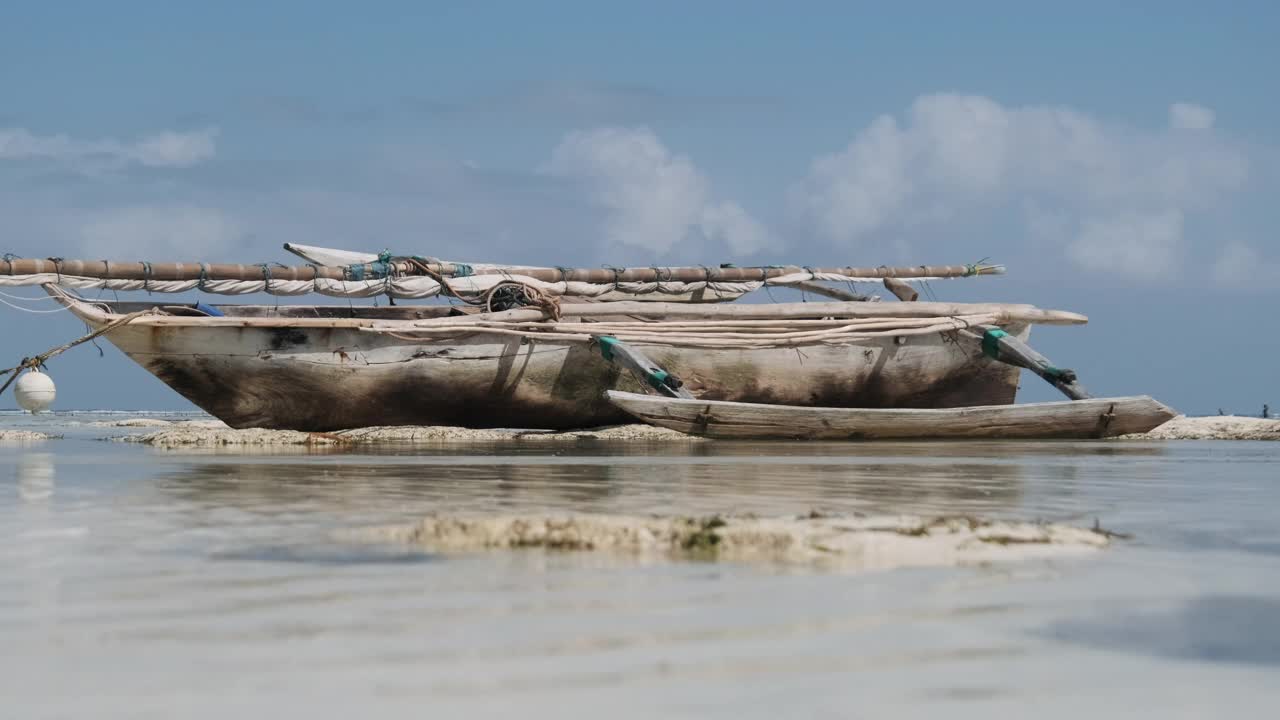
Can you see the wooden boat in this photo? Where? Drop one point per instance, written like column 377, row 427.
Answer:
column 1071, row 419
column 321, row 368
column 560, row 348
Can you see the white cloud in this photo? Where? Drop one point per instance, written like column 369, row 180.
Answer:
column 654, row 199
column 956, row 155
column 1240, row 266
column 168, row 149
column 1143, row 246
column 730, row 224
column 1189, row 116
column 168, row 232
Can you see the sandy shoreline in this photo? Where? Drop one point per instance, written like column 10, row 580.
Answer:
column 1218, row 427
column 19, row 437
column 213, row 433
column 168, row 434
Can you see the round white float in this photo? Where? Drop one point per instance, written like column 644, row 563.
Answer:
column 34, row 391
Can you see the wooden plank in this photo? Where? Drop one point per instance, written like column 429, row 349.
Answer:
column 1005, row 348
column 1095, row 418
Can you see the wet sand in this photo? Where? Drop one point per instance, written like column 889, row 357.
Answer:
column 201, row 436
column 22, row 436
column 844, row 542
column 1220, row 427
column 215, row 434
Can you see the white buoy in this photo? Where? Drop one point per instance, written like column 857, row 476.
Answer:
column 34, row 391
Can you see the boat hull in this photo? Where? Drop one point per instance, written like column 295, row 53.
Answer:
column 1076, row 419
column 318, row 378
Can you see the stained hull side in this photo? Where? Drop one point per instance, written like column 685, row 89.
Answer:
column 320, row 379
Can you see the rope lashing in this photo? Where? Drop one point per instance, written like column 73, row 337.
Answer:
column 204, row 277
column 146, row 276
column 315, row 277
column 266, row 277
column 617, row 272
column 382, row 266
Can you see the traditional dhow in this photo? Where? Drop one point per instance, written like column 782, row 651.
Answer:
column 561, row 348
column 332, row 367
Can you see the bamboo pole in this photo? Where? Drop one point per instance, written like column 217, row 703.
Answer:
column 113, row 270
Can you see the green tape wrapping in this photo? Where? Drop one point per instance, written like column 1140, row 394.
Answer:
column 606, row 346
column 991, row 342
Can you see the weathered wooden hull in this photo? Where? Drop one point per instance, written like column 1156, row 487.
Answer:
column 324, row 376
column 1073, row 419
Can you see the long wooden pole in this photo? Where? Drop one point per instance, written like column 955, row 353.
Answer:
column 1005, row 348
column 740, row 311
column 112, row 270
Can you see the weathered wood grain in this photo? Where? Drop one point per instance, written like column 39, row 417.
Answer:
column 323, row 376
column 1011, row 312
column 1101, row 417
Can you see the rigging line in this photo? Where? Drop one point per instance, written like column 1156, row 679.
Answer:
column 28, row 299
column 36, row 312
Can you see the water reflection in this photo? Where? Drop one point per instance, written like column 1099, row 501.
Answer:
column 1212, row 628
column 700, row 479
column 35, row 476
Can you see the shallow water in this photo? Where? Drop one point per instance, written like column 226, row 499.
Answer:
column 144, row 583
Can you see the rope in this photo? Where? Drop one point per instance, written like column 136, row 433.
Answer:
column 709, row 336
column 29, row 310
column 519, row 295
column 266, row 277
column 27, row 299
column 39, row 360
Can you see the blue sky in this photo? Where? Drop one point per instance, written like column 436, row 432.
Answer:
column 1120, row 158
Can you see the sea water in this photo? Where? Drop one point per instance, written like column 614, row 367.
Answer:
column 139, row 583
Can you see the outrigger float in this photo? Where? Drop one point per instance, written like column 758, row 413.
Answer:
column 560, row 348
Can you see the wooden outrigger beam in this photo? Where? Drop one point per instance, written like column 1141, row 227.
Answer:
column 1096, row 418
column 653, row 375
column 1003, row 347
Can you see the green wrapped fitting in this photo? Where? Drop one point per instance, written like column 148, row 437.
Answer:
column 657, row 379
column 991, row 342
column 606, row 346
